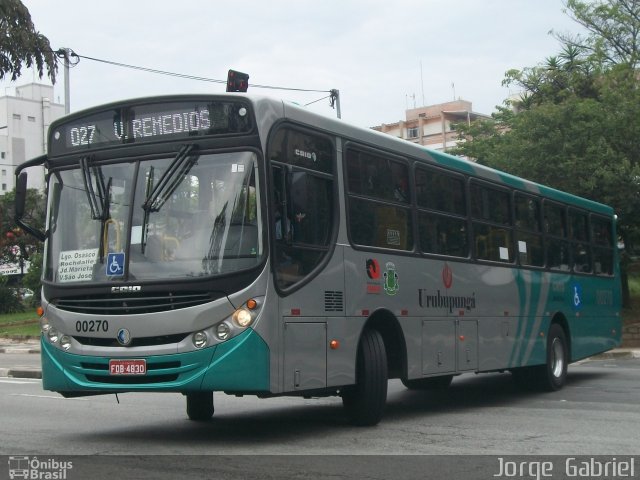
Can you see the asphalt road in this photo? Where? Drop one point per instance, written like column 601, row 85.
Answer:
column 598, row 412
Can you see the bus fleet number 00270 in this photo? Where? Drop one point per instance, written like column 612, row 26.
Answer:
column 85, row 326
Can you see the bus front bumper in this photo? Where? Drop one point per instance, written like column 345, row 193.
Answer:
column 238, row 365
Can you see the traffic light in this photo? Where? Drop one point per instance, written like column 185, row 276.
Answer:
column 237, row 81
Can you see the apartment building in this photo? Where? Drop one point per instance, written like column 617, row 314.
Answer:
column 431, row 125
column 24, row 121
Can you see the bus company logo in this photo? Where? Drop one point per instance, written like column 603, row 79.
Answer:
column 374, row 273
column 373, row 269
column 126, row 289
column 438, row 300
column 308, row 155
column 447, row 276
column 33, row 468
column 391, row 285
column 124, row 337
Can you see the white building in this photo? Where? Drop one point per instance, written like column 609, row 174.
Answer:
column 24, row 122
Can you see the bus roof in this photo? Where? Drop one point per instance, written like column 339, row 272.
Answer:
column 279, row 108
column 415, row 151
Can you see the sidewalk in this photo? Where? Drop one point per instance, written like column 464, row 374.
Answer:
column 21, row 358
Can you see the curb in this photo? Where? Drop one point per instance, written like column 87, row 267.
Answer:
column 622, row 353
column 26, row 372
column 19, row 350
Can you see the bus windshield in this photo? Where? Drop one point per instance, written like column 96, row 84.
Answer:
column 187, row 215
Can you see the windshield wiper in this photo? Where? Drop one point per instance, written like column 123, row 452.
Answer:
column 96, row 201
column 100, row 201
column 155, row 197
column 171, row 178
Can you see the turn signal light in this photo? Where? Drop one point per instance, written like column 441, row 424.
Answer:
column 40, row 311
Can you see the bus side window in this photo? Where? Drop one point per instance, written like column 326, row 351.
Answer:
column 302, row 214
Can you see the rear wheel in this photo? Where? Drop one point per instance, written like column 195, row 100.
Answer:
column 200, row 406
column 365, row 401
column 553, row 375
column 432, row 383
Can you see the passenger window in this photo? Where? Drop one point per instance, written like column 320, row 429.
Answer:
column 490, row 204
column 440, row 192
column 579, row 235
column 602, row 239
column 443, row 235
column 528, row 230
column 557, row 247
column 377, row 177
column 492, row 235
column 442, row 223
column 378, row 201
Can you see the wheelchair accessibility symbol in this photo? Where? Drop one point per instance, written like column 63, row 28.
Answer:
column 115, row 264
column 576, row 296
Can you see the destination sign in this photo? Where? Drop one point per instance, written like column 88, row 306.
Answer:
column 127, row 124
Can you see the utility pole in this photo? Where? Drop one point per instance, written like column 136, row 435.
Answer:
column 65, row 53
column 335, row 101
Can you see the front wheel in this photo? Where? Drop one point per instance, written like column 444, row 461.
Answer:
column 200, row 406
column 365, row 401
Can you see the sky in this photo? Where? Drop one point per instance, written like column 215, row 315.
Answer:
column 383, row 56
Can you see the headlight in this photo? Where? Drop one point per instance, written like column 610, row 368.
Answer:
column 65, row 342
column 200, row 339
column 242, row 317
column 44, row 324
column 52, row 333
column 223, row 331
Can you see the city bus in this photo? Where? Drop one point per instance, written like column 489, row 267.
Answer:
column 240, row 244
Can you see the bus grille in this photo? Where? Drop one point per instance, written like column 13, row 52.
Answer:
column 133, row 380
column 135, row 342
column 132, row 304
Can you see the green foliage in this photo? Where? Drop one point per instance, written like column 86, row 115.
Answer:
column 17, row 246
column 613, row 31
column 21, row 44
column 9, row 298
column 576, row 125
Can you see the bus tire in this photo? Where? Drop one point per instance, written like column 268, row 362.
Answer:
column 553, row 375
column 431, row 383
column 365, row 401
column 200, row 406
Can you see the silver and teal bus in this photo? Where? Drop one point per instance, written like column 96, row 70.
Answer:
column 245, row 245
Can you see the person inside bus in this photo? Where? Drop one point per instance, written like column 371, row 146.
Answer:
column 283, row 229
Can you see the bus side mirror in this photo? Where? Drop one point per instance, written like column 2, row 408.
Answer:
column 21, row 195
column 20, row 205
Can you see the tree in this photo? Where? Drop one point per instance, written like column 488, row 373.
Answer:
column 613, row 28
column 17, row 246
column 21, row 44
column 576, row 126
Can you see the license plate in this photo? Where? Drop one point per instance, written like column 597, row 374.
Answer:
column 128, row 367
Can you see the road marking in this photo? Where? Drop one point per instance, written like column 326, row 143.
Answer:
column 21, row 382
column 45, row 396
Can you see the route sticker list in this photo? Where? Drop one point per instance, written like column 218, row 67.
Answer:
column 77, row 265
